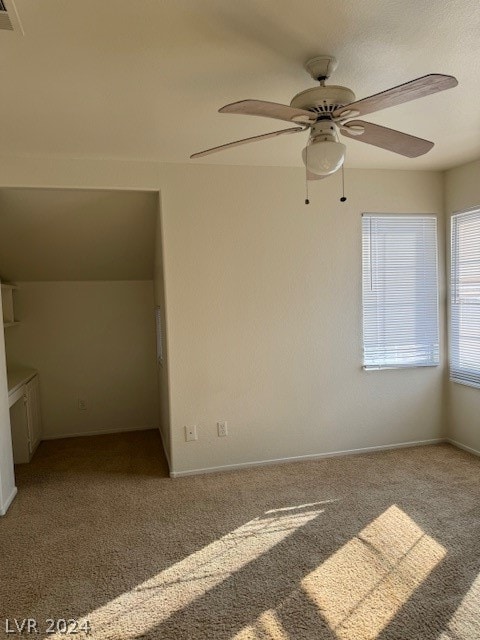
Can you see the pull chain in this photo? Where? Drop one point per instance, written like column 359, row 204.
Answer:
column 343, row 198
column 307, row 201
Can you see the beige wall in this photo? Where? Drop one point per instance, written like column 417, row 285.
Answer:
column 462, row 190
column 264, row 315
column 162, row 367
column 264, row 306
column 7, row 479
column 52, row 235
column 90, row 340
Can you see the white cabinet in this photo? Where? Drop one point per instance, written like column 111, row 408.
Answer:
column 25, row 417
column 18, row 423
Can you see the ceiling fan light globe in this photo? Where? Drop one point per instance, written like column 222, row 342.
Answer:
column 324, row 157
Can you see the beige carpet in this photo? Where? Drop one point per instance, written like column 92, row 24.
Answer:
column 380, row 546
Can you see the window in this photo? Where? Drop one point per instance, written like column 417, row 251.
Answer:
column 465, row 299
column 400, row 291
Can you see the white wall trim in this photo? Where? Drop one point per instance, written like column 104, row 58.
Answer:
column 4, row 508
column 459, row 445
column 98, row 432
column 314, row 456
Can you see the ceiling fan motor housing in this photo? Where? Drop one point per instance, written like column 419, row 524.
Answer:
column 323, row 100
column 324, row 130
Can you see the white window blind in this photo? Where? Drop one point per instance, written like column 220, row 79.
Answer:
column 465, row 299
column 400, row 291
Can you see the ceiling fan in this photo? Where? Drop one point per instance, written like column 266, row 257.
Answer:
column 329, row 110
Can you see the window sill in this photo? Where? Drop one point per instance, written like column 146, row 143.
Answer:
column 399, row 366
column 465, row 383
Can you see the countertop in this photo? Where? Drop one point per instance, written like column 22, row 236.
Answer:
column 17, row 377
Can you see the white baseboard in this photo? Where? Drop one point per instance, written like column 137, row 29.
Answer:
column 459, row 445
column 315, row 456
column 4, row 508
column 97, row 432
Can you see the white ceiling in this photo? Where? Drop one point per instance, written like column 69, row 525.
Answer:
column 55, row 234
column 144, row 80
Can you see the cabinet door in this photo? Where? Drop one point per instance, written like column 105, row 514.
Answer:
column 34, row 421
column 20, row 436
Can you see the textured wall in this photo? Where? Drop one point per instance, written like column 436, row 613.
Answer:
column 160, row 301
column 90, row 340
column 264, row 315
column 264, row 306
column 7, row 480
column 76, row 234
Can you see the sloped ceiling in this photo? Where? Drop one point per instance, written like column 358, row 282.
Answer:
column 50, row 234
column 143, row 80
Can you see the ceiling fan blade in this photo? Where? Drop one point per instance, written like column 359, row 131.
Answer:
column 406, row 92
column 269, row 110
column 389, row 139
column 237, row 143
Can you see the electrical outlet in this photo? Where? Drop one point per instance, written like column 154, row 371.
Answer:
column 191, row 433
column 222, row 429
column 82, row 404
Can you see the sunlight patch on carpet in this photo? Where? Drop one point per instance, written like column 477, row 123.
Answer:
column 155, row 600
column 267, row 627
column 361, row 587
column 465, row 622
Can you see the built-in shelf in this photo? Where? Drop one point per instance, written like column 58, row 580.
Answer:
column 8, row 305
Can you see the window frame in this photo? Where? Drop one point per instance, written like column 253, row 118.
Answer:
column 390, row 365
column 454, row 300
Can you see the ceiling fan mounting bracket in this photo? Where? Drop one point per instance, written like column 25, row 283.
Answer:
column 321, row 67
